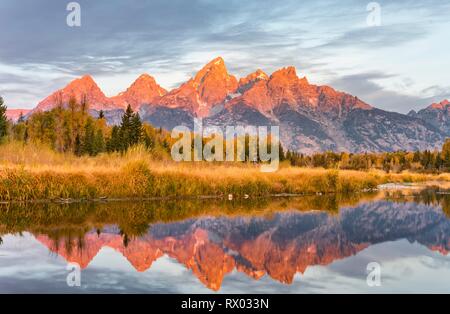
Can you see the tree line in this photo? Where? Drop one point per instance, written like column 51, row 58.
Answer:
column 72, row 129
column 420, row 161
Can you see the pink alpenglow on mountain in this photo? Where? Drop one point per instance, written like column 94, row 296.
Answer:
column 84, row 90
column 210, row 87
column 437, row 115
column 311, row 118
column 250, row 80
column 285, row 87
column 442, row 105
column 144, row 90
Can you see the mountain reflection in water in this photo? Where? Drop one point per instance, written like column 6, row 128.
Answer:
column 278, row 238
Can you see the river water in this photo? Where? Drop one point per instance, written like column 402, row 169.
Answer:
column 390, row 241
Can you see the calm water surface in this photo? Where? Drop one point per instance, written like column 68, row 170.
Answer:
column 298, row 245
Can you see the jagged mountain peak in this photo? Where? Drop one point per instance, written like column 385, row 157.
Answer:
column 217, row 62
column 83, row 89
column 288, row 76
column 257, row 75
column 214, row 70
column 145, row 76
column 441, row 105
column 247, row 82
column 437, row 115
column 86, row 78
column 208, row 88
column 284, row 87
column 311, row 118
column 84, row 83
column 288, row 73
column 144, row 90
column 148, row 82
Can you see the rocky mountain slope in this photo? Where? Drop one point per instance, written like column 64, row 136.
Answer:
column 437, row 115
column 311, row 118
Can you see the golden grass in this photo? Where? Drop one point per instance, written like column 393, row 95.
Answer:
column 34, row 172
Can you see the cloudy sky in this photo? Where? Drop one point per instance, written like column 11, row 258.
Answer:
column 400, row 65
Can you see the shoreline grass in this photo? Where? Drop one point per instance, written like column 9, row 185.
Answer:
column 34, row 173
column 134, row 218
column 21, row 216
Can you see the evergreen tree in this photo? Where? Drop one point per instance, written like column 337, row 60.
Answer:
column 101, row 115
column 89, row 138
column 114, row 141
column 438, row 162
column 416, row 157
column 99, row 142
column 281, row 152
column 135, row 129
column 149, row 142
column 3, row 120
column 125, row 129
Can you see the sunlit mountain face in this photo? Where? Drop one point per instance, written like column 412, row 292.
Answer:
column 278, row 240
column 311, row 117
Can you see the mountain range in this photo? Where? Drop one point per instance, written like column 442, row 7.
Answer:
column 312, row 118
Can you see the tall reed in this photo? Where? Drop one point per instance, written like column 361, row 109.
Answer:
column 35, row 173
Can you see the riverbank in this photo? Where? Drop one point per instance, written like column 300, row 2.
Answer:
column 147, row 179
column 34, row 173
column 133, row 217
